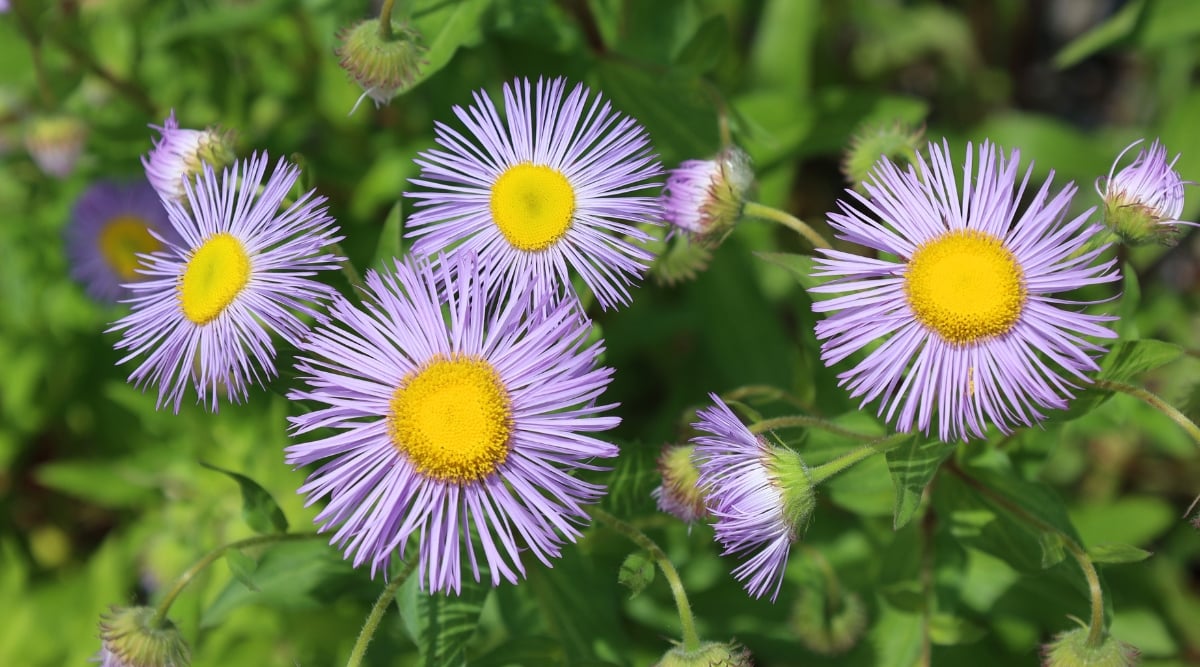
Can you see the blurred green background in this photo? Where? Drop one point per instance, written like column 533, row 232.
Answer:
column 103, row 501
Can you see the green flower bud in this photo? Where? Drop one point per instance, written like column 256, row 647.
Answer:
column 1070, row 649
column 826, row 626
column 897, row 142
column 132, row 637
column 383, row 67
column 710, row 654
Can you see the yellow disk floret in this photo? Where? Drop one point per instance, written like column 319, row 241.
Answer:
column 532, row 206
column 452, row 419
column 216, row 273
column 120, row 242
column 966, row 286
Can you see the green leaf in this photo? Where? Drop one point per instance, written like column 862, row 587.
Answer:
column 1110, row 33
column 913, row 466
column 218, row 22
column 522, row 651
column 259, row 509
column 391, row 241
column 949, row 630
column 441, row 624
column 1127, row 308
column 446, row 27
column 706, row 48
column 287, row 577
column 579, row 609
column 800, row 266
column 1053, row 549
column 242, row 567
column 636, row 573
column 1117, row 553
column 675, row 109
column 116, row 484
column 1130, row 358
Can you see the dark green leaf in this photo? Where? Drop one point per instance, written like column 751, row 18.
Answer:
column 391, row 242
column 441, row 624
column 579, row 610
column 1117, row 553
column 637, row 572
column 1130, row 358
column 259, row 509
column 446, row 27
column 522, row 651
column 800, row 266
column 707, row 47
column 676, row 110
column 948, row 630
column 242, row 567
column 913, row 465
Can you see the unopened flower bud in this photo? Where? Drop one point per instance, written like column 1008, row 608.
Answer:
column 1071, row 649
column 181, row 154
column 383, row 67
column 829, row 626
column 897, row 142
column 135, row 637
column 705, row 197
column 710, row 654
column 1143, row 201
column 55, row 143
column 680, row 492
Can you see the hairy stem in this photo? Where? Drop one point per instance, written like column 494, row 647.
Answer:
column 828, row 469
column 381, row 605
column 385, row 20
column 763, row 212
column 184, row 579
column 1096, row 629
column 804, row 421
column 1151, row 399
column 691, row 640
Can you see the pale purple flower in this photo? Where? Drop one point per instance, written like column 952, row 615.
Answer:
column 241, row 269
column 455, row 419
column 967, row 302
column 551, row 185
column 746, row 483
column 1144, row 200
column 181, row 153
column 112, row 223
column 705, row 197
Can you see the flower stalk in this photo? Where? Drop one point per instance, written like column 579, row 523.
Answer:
column 381, row 605
column 764, row 212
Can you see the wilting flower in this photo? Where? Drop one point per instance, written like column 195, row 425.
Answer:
column 111, row 224
column 456, row 428
column 679, row 493
column 205, row 311
column 550, row 186
column 382, row 66
column 761, row 496
column 180, row 155
column 705, row 197
column 136, row 637
column 55, row 143
column 970, row 313
column 1143, row 201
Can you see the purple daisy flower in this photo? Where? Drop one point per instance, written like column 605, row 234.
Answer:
column 1143, row 201
column 554, row 185
column 968, row 311
column 180, row 153
column 679, row 494
column 463, row 427
column 111, row 225
column 705, row 197
column 759, row 494
column 241, row 270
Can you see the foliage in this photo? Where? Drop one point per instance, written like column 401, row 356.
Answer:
column 961, row 553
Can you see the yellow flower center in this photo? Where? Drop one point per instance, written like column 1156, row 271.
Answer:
column 532, row 205
column 966, row 286
column 215, row 275
column 120, row 242
column 452, row 419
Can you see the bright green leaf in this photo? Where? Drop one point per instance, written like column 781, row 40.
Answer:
column 259, row 509
column 948, row 630
column 1113, row 31
column 287, row 577
column 242, row 567
column 913, row 465
column 1117, row 553
column 441, row 624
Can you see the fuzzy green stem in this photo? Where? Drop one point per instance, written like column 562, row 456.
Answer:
column 160, row 613
column 385, row 20
column 1096, row 629
column 691, row 640
column 381, row 605
column 828, row 469
column 763, row 212
column 1149, row 398
column 805, row 421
